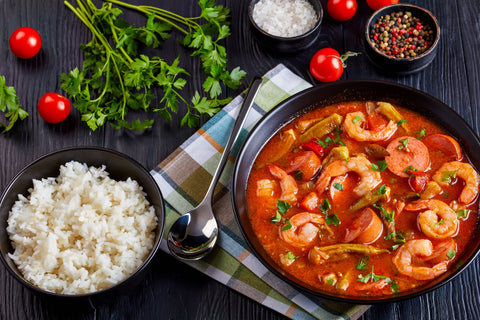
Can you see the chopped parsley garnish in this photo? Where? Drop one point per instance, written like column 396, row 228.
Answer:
column 338, row 186
column 380, row 166
column 410, row 168
column 403, row 144
column 421, row 134
column 291, row 256
column 325, row 207
column 362, row 263
column 332, row 219
column 402, row 121
column 438, row 223
column 287, row 225
column 331, row 281
column 451, row 253
column 337, row 137
column 389, row 216
column 398, row 237
column 372, row 277
column 447, row 175
column 463, row 213
column 356, row 119
column 382, row 189
column 282, row 207
column 277, row 218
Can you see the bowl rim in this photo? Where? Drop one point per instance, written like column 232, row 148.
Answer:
column 289, row 39
column 401, row 6
column 143, row 266
column 277, row 270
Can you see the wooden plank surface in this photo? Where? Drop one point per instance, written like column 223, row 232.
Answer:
column 172, row 290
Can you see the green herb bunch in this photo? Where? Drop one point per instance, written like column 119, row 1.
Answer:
column 115, row 78
column 10, row 106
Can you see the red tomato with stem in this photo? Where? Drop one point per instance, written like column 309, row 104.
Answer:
column 25, row 42
column 327, row 64
column 53, row 107
column 377, row 4
column 342, row 10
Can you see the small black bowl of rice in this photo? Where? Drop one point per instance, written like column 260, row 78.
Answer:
column 81, row 223
column 285, row 25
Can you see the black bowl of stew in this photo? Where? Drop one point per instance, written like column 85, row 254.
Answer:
column 344, row 92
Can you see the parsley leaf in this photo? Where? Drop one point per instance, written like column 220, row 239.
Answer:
column 338, row 186
column 389, row 216
column 10, row 105
column 356, row 119
column 283, row 206
column 325, row 206
column 401, row 121
column 421, row 134
column 291, row 256
column 287, row 225
column 447, row 175
column 382, row 189
column 463, row 213
column 403, row 144
column 451, row 253
column 382, row 165
column 362, row 263
column 277, row 218
column 332, row 219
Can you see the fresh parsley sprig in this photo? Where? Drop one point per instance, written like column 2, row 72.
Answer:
column 114, row 79
column 10, row 105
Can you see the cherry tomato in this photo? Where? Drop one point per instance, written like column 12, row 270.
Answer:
column 53, row 107
column 326, row 65
column 25, row 42
column 377, row 4
column 342, row 10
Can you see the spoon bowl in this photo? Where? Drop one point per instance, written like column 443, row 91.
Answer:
column 194, row 234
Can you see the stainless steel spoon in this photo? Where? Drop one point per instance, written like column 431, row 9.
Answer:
column 195, row 233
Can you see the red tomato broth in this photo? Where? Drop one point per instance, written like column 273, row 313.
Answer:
column 262, row 209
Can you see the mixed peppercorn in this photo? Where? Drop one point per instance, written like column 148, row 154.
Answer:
column 401, row 35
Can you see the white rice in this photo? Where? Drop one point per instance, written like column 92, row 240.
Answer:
column 284, row 18
column 82, row 231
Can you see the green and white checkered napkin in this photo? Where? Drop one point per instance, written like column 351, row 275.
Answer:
column 183, row 178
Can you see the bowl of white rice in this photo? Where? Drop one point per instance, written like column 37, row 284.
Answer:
column 81, row 222
column 285, row 25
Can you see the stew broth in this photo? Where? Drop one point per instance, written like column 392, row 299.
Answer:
column 389, row 216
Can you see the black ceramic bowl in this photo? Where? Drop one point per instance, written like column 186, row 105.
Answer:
column 402, row 65
column 120, row 167
column 286, row 44
column 342, row 91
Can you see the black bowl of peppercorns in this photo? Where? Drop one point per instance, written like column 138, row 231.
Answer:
column 402, row 38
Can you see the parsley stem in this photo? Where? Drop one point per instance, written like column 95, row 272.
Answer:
column 161, row 14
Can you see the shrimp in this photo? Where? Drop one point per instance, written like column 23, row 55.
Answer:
column 369, row 178
column 304, row 229
column 353, row 125
column 428, row 220
column 466, row 172
column 287, row 183
column 417, row 248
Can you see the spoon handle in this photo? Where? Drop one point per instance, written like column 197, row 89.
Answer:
column 237, row 127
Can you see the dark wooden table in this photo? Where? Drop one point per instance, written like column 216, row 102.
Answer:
column 172, row 290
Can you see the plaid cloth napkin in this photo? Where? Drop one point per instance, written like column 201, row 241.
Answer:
column 184, row 177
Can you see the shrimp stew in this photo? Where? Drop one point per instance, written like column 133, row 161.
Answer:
column 363, row 199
